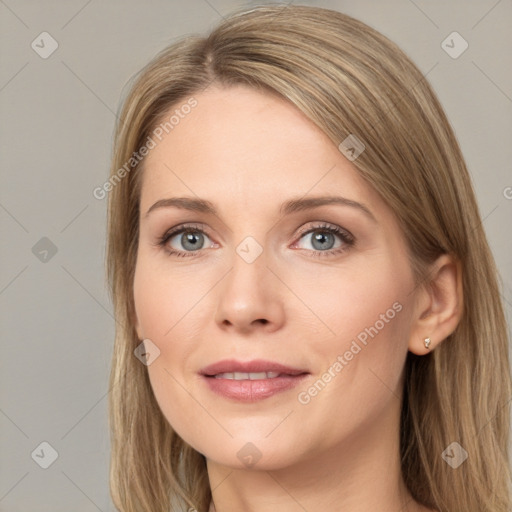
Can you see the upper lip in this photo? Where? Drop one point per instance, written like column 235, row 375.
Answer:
column 254, row 366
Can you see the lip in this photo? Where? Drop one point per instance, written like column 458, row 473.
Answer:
column 251, row 390
column 254, row 366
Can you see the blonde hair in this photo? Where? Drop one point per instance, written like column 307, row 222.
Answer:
column 348, row 79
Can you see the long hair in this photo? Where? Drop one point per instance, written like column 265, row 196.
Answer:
column 347, row 79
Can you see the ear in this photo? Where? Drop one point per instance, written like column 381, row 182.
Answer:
column 438, row 306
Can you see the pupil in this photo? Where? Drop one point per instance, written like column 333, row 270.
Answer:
column 193, row 239
column 321, row 237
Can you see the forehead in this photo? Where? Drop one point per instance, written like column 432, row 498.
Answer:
column 247, row 148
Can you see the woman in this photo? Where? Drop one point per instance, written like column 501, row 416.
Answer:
column 308, row 311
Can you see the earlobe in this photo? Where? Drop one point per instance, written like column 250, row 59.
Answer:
column 439, row 306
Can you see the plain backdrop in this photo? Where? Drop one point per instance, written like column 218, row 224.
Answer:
column 56, row 123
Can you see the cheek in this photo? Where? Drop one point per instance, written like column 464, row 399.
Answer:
column 364, row 323
column 169, row 313
column 345, row 303
column 164, row 299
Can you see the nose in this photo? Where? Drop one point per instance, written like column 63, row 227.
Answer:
column 250, row 296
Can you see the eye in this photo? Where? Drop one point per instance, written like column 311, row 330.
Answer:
column 325, row 240
column 322, row 240
column 184, row 240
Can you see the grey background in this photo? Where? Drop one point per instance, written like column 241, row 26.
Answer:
column 56, row 123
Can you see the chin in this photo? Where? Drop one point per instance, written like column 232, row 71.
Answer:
column 256, row 455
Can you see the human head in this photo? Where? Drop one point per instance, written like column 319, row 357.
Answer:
column 347, row 79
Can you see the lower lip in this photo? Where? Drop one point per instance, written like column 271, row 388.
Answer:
column 253, row 390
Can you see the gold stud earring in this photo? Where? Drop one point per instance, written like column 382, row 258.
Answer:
column 427, row 342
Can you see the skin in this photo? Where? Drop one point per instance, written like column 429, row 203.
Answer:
column 248, row 152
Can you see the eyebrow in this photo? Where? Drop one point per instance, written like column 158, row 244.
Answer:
column 288, row 207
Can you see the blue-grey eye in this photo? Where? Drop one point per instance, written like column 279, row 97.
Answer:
column 321, row 240
column 189, row 240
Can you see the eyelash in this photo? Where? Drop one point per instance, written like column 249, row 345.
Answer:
column 347, row 238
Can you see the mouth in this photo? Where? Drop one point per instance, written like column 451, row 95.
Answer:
column 253, row 370
column 251, row 381
column 247, row 376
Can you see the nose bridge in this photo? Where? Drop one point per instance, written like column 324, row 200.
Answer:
column 249, row 269
column 248, row 293
column 251, row 250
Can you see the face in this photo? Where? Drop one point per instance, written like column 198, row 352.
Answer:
column 265, row 276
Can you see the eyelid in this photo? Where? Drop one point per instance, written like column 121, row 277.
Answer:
column 183, row 227
column 333, row 228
